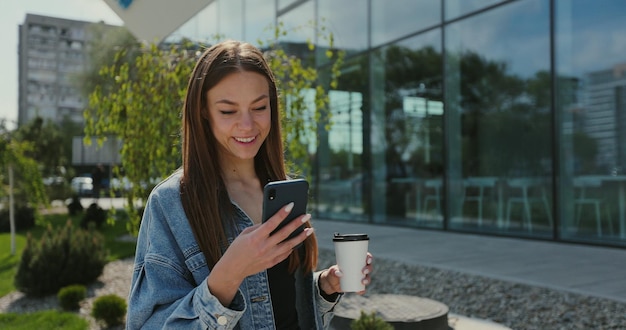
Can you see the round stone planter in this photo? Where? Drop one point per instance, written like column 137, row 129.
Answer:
column 401, row 311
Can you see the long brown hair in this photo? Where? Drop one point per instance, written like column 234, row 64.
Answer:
column 203, row 191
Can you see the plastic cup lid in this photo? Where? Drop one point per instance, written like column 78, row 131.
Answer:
column 350, row 237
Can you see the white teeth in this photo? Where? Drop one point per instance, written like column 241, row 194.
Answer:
column 245, row 140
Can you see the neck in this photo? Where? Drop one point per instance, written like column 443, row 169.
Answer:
column 238, row 172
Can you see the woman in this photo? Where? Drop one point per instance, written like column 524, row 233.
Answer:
column 204, row 259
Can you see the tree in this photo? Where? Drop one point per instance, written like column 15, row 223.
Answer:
column 22, row 173
column 47, row 144
column 15, row 153
column 139, row 102
column 140, row 105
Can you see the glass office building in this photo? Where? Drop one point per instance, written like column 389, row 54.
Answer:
column 483, row 116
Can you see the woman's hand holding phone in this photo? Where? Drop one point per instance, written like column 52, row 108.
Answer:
column 257, row 248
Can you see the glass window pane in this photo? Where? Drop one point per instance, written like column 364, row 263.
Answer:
column 298, row 24
column 412, row 124
column 456, row 8
column 591, row 68
column 201, row 27
column 396, row 19
column 259, row 20
column 339, row 161
column 499, row 120
column 350, row 34
column 282, row 4
column 230, row 19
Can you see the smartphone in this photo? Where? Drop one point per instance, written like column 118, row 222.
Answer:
column 277, row 194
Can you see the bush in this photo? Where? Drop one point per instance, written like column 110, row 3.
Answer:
column 94, row 214
column 24, row 219
column 62, row 257
column 370, row 322
column 71, row 296
column 58, row 191
column 75, row 207
column 110, row 309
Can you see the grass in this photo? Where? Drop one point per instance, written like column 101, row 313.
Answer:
column 8, row 263
column 43, row 320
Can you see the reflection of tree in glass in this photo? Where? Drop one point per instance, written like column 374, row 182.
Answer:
column 412, row 73
column 506, row 120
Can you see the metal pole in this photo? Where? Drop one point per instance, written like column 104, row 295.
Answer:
column 11, row 209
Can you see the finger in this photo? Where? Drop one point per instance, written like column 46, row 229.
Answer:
column 294, row 242
column 274, row 221
column 365, row 281
column 287, row 247
column 292, row 226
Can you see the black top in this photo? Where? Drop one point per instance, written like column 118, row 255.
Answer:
column 283, row 292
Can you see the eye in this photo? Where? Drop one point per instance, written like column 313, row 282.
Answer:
column 227, row 112
column 261, row 108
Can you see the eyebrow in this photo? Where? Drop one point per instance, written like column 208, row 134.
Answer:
column 229, row 102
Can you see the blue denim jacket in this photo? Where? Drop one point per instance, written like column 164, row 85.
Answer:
column 169, row 288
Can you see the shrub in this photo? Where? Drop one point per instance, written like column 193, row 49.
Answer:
column 62, row 257
column 94, row 214
column 75, row 207
column 109, row 309
column 370, row 322
column 24, row 219
column 59, row 190
column 71, row 295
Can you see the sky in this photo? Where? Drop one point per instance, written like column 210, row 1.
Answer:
column 13, row 13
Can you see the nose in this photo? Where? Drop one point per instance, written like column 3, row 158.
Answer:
column 246, row 121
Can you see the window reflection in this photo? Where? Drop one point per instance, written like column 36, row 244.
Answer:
column 413, row 131
column 259, row 20
column 230, row 19
column 456, row 8
column 203, row 26
column 350, row 34
column 591, row 68
column 500, row 111
column 340, row 173
column 283, row 4
column 404, row 17
column 299, row 23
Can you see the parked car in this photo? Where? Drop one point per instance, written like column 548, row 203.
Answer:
column 82, row 185
column 53, row 180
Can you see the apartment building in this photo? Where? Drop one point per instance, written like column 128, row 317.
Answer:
column 52, row 54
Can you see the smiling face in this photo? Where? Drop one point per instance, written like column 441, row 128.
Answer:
column 240, row 115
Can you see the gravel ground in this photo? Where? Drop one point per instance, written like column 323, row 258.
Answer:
column 514, row 305
column 517, row 306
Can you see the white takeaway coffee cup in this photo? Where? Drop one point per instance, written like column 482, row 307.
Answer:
column 351, row 253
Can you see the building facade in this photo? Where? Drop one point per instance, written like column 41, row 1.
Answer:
column 53, row 53
column 490, row 117
column 53, row 57
column 485, row 116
